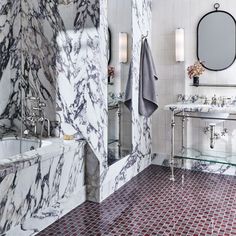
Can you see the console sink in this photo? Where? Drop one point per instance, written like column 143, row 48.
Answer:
column 203, row 111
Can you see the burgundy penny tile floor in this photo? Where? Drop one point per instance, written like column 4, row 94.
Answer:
column 196, row 204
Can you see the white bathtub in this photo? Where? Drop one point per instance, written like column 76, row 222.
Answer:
column 11, row 146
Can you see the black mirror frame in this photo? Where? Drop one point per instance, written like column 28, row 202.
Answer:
column 109, row 46
column 212, row 12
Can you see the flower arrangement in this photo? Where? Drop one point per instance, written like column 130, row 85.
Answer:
column 111, row 74
column 195, row 70
column 111, row 71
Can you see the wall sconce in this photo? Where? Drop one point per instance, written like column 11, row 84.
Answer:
column 179, row 44
column 123, row 47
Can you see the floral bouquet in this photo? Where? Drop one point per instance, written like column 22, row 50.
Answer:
column 195, row 70
column 111, row 74
column 111, row 71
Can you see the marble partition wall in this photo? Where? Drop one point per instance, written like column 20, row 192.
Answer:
column 63, row 65
column 122, row 171
column 65, row 48
column 102, row 180
column 141, row 23
column 64, row 61
column 10, row 67
column 40, row 25
column 81, row 89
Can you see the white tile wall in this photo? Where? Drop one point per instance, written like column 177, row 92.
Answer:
column 167, row 16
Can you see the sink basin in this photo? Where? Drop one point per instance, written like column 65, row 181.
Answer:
column 213, row 115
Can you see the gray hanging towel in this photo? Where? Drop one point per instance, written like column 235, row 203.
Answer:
column 128, row 90
column 147, row 94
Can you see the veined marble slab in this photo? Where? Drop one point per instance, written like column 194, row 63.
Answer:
column 21, row 161
column 194, row 107
column 48, row 216
column 42, row 189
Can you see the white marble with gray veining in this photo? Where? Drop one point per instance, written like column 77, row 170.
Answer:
column 198, row 107
column 64, row 62
column 124, row 170
column 42, row 188
column 10, row 67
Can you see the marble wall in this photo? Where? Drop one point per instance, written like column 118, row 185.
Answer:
column 81, row 91
column 10, row 66
column 101, row 182
column 125, row 169
column 173, row 80
column 62, row 66
column 60, row 53
column 64, row 62
column 52, row 185
column 141, row 23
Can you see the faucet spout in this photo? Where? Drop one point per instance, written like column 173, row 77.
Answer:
column 48, row 126
column 214, row 100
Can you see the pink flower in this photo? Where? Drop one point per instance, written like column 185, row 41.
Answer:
column 111, row 71
column 195, row 70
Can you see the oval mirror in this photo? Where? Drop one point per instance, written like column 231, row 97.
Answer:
column 216, row 40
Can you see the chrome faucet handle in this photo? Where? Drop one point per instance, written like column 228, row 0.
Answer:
column 206, row 100
column 37, row 108
column 40, row 119
column 42, row 104
column 223, row 102
column 228, row 101
column 48, row 126
column 32, row 98
column 180, row 97
column 26, row 132
column 233, row 101
column 214, row 100
column 185, row 98
column 194, row 98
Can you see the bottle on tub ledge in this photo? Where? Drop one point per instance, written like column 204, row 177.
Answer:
column 75, row 137
column 70, row 134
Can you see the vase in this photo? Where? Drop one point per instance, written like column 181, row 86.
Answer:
column 195, row 81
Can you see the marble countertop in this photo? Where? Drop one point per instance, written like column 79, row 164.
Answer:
column 194, row 107
column 56, row 148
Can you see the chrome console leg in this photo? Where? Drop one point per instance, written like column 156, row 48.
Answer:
column 172, row 178
column 182, row 138
column 119, row 130
column 183, row 126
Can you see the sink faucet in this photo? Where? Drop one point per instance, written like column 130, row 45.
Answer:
column 48, row 126
column 223, row 103
column 214, row 100
column 37, row 116
column 194, row 98
column 206, row 100
column 233, row 101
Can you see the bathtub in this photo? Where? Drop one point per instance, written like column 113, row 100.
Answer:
column 12, row 146
column 40, row 185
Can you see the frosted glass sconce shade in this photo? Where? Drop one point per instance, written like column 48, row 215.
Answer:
column 179, row 44
column 123, row 47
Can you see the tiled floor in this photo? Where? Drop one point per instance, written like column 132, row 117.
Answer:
column 198, row 204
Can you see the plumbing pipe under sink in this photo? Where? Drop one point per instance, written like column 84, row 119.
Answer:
column 212, row 133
